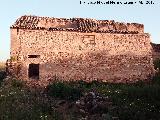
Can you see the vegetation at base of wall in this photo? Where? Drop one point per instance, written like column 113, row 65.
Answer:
column 64, row 91
column 134, row 101
column 156, row 63
column 13, row 58
column 156, row 78
column 138, row 101
column 2, row 66
column 17, row 102
column 2, row 71
column 2, row 75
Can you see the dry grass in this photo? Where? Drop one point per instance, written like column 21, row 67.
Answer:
column 2, row 66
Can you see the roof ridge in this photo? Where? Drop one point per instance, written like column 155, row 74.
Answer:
column 82, row 24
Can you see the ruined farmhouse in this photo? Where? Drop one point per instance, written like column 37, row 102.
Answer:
column 44, row 49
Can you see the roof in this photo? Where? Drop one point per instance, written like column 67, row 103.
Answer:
column 76, row 24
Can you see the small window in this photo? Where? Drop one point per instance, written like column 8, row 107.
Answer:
column 33, row 56
column 89, row 39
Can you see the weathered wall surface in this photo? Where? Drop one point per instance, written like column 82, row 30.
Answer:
column 86, row 56
column 15, row 43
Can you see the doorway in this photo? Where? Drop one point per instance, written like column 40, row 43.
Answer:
column 33, row 71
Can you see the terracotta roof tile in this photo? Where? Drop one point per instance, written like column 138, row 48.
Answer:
column 76, row 24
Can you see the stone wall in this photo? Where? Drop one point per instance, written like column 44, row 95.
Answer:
column 70, row 55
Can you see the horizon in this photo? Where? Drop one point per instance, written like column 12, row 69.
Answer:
column 12, row 10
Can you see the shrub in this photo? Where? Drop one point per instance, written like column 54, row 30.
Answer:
column 64, row 91
column 2, row 75
column 136, row 102
column 20, row 103
column 156, row 79
column 156, row 63
column 17, row 83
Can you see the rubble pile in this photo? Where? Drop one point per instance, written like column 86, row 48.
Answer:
column 94, row 106
column 11, row 67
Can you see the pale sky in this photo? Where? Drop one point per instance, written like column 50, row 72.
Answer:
column 10, row 10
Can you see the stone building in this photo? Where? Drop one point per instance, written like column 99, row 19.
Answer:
column 44, row 49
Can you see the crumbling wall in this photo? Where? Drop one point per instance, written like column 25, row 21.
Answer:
column 77, row 24
column 13, row 68
column 71, row 55
column 15, row 43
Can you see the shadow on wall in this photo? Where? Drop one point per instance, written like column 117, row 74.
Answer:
column 98, row 66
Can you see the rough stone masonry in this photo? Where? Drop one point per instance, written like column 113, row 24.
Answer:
column 44, row 49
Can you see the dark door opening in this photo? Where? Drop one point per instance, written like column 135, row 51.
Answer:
column 33, row 71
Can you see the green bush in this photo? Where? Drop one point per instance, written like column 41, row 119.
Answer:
column 20, row 103
column 130, row 101
column 2, row 75
column 156, row 63
column 64, row 91
column 17, row 83
column 156, row 78
column 135, row 102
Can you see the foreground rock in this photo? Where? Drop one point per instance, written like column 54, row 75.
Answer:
column 94, row 106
